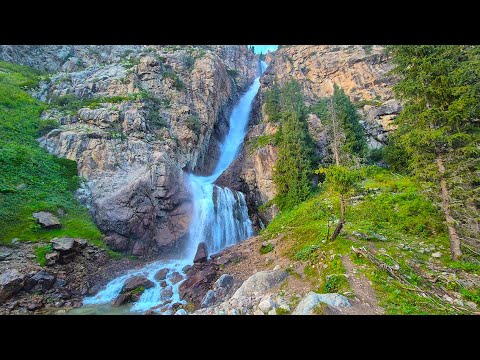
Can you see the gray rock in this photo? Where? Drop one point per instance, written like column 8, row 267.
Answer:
column 266, row 305
column 208, row 299
column 11, row 282
column 47, row 220
column 224, row 281
column 260, row 282
column 41, row 281
column 272, row 312
column 258, row 312
column 5, row 254
column 437, row 254
column 64, row 245
column 161, row 274
column 51, row 258
column 15, row 242
column 379, row 236
column 181, row 312
column 308, row 303
column 201, row 255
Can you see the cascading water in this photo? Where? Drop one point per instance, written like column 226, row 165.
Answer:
column 220, row 216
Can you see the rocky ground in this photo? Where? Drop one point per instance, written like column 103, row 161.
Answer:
column 74, row 269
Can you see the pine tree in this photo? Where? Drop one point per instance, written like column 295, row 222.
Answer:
column 439, row 132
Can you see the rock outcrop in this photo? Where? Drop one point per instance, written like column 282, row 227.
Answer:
column 135, row 118
column 362, row 71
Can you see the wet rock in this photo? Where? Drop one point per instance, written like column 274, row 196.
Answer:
column 166, row 293
column 47, row 220
column 260, row 282
column 163, row 283
column 208, row 299
column 161, row 274
column 225, row 281
column 197, row 284
column 311, row 300
column 40, row 282
column 94, row 290
column 136, row 282
column 176, row 277
column 181, row 312
column 52, row 258
column 186, row 269
column 11, row 282
column 201, row 255
column 120, row 299
column 176, row 305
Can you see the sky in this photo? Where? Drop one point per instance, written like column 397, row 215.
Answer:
column 263, row 48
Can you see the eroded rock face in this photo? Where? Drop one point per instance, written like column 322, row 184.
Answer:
column 362, row 71
column 170, row 112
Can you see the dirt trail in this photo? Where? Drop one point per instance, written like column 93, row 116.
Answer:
column 365, row 301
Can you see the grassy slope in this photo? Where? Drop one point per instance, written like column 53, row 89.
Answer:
column 392, row 206
column 31, row 179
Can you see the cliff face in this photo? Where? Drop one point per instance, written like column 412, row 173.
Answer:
column 362, row 71
column 160, row 111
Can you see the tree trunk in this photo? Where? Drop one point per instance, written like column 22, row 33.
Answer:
column 342, row 219
column 455, row 250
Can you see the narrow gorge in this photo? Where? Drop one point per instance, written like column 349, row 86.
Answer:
column 220, row 180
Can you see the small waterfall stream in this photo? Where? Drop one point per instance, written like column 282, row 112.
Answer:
column 220, row 217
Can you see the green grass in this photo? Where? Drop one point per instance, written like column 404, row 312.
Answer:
column 41, row 251
column 259, row 142
column 392, row 205
column 32, row 180
column 265, row 250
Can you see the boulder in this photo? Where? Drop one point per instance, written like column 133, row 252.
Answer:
column 266, row 304
column 161, row 274
column 208, row 299
column 64, row 245
column 176, row 277
column 311, row 300
column 47, row 220
column 225, row 281
column 136, row 282
column 260, row 282
column 11, row 282
column 166, row 293
column 197, row 284
column 120, row 299
column 116, row 242
column 52, row 258
column 201, row 255
column 40, row 282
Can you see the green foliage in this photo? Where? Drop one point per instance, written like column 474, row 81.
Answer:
column 193, row 124
column 341, row 179
column 130, row 62
column 272, row 103
column 137, row 290
column 281, row 311
column 41, row 251
column 334, row 283
column 46, row 126
column 375, row 155
column 30, row 179
column 177, row 82
column 439, row 85
column 232, row 72
column 254, row 144
column 71, row 104
column 266, row 249
column 472, row 295
column 188, row 61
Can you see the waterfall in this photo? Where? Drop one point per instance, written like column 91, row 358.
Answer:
column 220, row 216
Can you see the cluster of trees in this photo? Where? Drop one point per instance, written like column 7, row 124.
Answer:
column 438, row 136
column 437, row 140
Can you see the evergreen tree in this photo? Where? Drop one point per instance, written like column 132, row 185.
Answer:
column 439, row 132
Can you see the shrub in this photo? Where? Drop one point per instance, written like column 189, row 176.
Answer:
column 193, row 124
column 46, row 126
column 266, row 249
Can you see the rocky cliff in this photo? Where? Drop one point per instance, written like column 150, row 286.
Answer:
column 362, row 71
column 135, row 118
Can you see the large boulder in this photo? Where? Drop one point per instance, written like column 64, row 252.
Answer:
column 64, row 245
column 201, row 255
column 11, row 282
column 40, row 282
column 197, row 284
column 161, row 274
column 47, row 220
column 136, row 282
column 311, row 300
column 225, row 281
column 260, row 282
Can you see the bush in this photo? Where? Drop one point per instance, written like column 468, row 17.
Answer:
column 41, row 251
column 46, row 126
column 375, row 155
column 266, row 249
column 193, row 124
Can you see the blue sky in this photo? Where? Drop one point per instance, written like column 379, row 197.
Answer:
column 263, row 48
